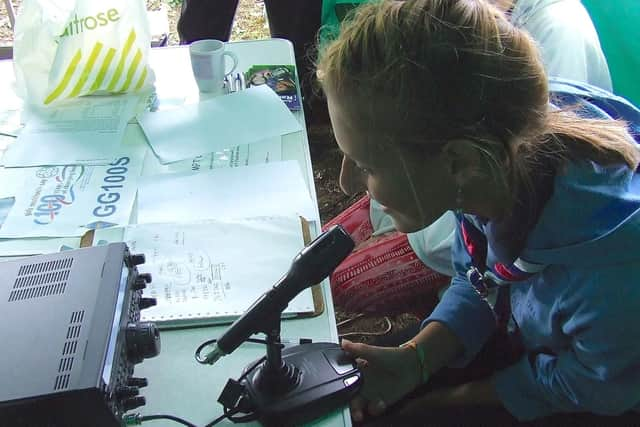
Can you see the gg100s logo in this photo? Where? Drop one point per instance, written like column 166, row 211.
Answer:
column 50, row 205
column 114, row 182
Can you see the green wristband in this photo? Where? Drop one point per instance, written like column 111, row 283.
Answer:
column 424, row 374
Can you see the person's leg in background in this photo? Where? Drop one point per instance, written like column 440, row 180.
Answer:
column 299, row 22
column 383, row 275
column 294, row 20
column 206, row 19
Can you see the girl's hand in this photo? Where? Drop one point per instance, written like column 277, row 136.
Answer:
column 389, row 373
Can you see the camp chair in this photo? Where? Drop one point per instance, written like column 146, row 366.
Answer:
column 333, row 12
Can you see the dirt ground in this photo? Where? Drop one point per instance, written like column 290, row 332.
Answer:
column 250, row 23
column 325, row 159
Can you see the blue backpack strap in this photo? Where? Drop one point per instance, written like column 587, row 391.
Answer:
column 595, row 103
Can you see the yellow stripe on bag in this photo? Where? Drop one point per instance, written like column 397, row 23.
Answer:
column 103, row 70
column 143, row 77
column 65, row 79
column 87, row 70
column 123, row 57
column 132, row 71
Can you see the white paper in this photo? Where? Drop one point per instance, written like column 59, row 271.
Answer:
column 260, row 190
column 6, row 204
column 10, row 183
column 88, row 131
column 244, row 117
column 24, row 247
column 215, row 270
column 240, row 155
column 10, row 104
column 103, row 236
column 10, row 124
column 65, row 201
column 5, row 142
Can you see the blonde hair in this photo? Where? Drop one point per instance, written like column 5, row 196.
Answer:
column 459, row 69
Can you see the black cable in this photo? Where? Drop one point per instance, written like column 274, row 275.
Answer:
column 229, row 414
column 217, row 420
column 201, row 347
column 166, row 417
column 244, row 419
column 252, row 367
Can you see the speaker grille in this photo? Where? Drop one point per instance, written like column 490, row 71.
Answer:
column 62, row 382
column 69, row 349
column 41, row 279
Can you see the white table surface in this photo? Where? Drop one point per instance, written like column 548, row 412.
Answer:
column 178, row 385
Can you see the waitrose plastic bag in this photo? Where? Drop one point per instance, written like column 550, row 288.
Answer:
column 69, row 48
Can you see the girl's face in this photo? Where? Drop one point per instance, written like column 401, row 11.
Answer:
column 413, row 191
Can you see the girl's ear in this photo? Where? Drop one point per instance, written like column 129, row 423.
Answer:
column 463, row 161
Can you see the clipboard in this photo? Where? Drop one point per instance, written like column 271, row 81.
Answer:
column 316, row 290
column 317, row 296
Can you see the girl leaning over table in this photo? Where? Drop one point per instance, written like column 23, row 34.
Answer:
column 443, row 105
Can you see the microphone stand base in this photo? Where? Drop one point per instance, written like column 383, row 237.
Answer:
column 315, row 379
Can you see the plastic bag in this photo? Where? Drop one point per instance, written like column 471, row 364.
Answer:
column 69, row 48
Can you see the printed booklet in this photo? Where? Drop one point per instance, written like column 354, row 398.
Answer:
column 280, row 78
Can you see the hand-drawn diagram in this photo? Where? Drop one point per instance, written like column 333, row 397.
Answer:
column 215, row 269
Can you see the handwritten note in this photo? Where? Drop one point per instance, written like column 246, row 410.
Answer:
column 212, row 271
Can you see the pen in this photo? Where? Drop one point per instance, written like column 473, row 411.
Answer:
column 226, row 87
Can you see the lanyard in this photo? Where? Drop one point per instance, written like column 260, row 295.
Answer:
column 484, row 278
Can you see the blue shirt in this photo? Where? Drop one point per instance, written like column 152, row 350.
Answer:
column 578, row 317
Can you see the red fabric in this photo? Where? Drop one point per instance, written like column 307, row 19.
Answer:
column 355, row 220
column 383, row 275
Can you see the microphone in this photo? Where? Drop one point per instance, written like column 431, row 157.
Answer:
column 309, row 267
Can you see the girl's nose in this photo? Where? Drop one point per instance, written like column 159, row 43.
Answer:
column 351, row 181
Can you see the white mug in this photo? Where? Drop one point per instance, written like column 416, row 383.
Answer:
column 208, row 64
